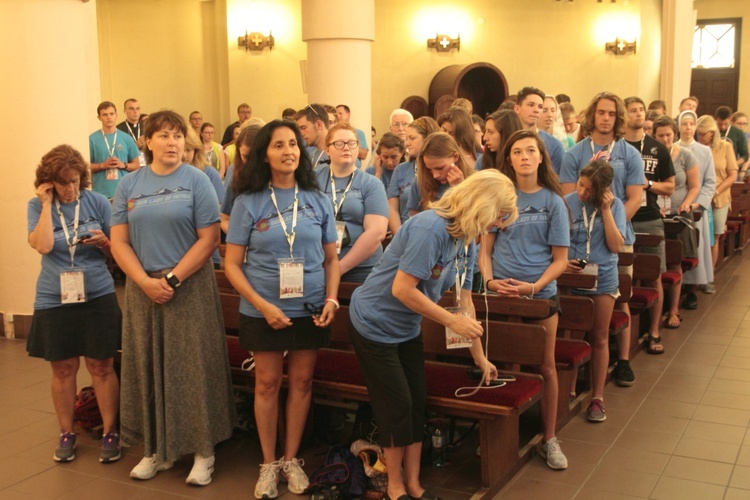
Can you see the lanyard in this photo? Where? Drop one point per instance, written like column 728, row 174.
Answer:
column 589, row 228
column 111, row 150
column 606, row 152
column 289, row 236
column 337, row 206
column 461, row 278
column 317, row 160
column 71, row 244
column 726, row 134
column 137, row 130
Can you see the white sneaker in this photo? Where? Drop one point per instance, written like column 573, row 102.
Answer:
column 200, row 474
column 148, row 467
column 266, row 487
column 295, row 476
column 555, row 458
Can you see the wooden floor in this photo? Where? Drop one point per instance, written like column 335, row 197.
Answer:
column 678, row 433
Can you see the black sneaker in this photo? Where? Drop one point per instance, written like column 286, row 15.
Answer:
column 624, row 376
column 691, row 301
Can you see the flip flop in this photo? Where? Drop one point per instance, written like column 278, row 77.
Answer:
column 672, row 325
column 652, row 343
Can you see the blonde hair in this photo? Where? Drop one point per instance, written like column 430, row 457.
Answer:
column 199, row 158
column 252, row 121
column 437, row 145
column 475, row 204
column 705, row 124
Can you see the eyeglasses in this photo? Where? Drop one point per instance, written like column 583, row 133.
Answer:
column 314, row 310
column 399, row 124
column 324, row 120
column 340, row 144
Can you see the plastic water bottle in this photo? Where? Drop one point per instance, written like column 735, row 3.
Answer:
column 438, row 447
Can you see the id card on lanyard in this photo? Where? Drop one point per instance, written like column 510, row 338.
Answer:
column 112, row 173
column 341, row 231
column 452, row 339
column 291, row 270
column 590, row 268
column 72, row 283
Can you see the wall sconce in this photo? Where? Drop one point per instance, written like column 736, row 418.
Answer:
column 255, row 41
column 620, row 47
column 444, row 43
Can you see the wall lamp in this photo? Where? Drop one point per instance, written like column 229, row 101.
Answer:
column 444, row 43
column 255, row 41
column 620, row 47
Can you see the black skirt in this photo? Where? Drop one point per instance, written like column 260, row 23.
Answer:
column 257, row 335
column 92, row 329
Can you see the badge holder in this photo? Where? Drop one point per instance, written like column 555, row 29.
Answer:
column 591, row 269
column 72, row 289
column 665, row 203
column 452, row 339
column 291, row 278
column 112, row 174
column 342, row 236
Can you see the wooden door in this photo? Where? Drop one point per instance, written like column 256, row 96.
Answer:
column 716, row 64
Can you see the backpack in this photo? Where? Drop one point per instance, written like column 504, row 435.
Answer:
column 341, row 476
column 86, row 409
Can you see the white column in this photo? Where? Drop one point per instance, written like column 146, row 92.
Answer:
column 678, row 22
column 339, row 36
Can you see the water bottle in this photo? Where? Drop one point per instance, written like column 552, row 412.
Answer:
column 438, row 447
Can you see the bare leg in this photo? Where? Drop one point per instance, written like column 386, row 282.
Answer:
column 715, row 251
column 603, row 305
column 412, row 457
column 674, row 298
column 107, row 389
column 623, row 338
column 300, row 367
column 269, row 368
column 548, row 371
column 64, row 391
column 657, row 309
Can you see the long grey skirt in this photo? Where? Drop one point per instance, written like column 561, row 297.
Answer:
column 176, row 389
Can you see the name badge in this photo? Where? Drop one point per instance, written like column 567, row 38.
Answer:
column 644, row 198
column 592, row 269
column 340, row 234
column 112, row 174
column 291, row 278
column 665, row 203
column 72, row 289
column 452, row 339
column 142, row 159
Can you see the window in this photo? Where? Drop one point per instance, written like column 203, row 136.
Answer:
column 714, row 46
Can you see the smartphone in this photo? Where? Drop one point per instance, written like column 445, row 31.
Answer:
column 83, row 238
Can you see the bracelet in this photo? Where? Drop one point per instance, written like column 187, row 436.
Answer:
column 532, row 290
column 487, row 284
column 335, row 302
column 105, row 245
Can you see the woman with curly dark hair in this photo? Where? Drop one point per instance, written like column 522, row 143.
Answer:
column 281, row 257
column 75, row 310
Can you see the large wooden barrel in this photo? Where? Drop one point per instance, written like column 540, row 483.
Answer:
column 481, row 83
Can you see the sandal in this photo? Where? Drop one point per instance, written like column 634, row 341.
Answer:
column 673, row 321
column 654, row 345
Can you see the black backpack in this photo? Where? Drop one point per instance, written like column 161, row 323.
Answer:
column 342, row 476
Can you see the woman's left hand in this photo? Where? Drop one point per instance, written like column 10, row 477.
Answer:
column 507, row 287
column 326, row 317
column 455, row 176
column 607, row 199
column 98, row 238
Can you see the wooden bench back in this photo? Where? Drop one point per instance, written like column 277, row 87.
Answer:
column 646, row 267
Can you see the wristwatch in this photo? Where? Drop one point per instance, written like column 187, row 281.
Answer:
column 650, row 184
column 173, row 280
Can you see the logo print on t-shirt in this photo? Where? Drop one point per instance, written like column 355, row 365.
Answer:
column 437, row 271
column 262, row 225
column 131, row 204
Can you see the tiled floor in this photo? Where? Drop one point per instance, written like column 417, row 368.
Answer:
column 680, row 432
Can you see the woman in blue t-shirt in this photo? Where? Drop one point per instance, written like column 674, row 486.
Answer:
column 281, row 257
column 68, row 226
column 405, row 173
column 527, row 257
column 176, row 394
column 596, row 236
column 499, row 126
column 359, row 204
column 433, row 251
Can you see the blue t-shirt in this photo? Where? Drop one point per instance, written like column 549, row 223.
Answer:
column 362, row 138
column 523, row 250
column 554, row 149
column 422, row 248
column 319, row 158
column 400, row 186
column 94, row 213
column 415, row 196
column 608, row 279
column 215, row 178
column 365, row 197
column 124, row 149
column 254, row 223
column 386, row 176
column 163, row 213
column 227, row 202
column 478, row 163
column 625, row 161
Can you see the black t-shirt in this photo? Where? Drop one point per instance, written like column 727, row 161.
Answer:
column 658, row 167
column 133, row 131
